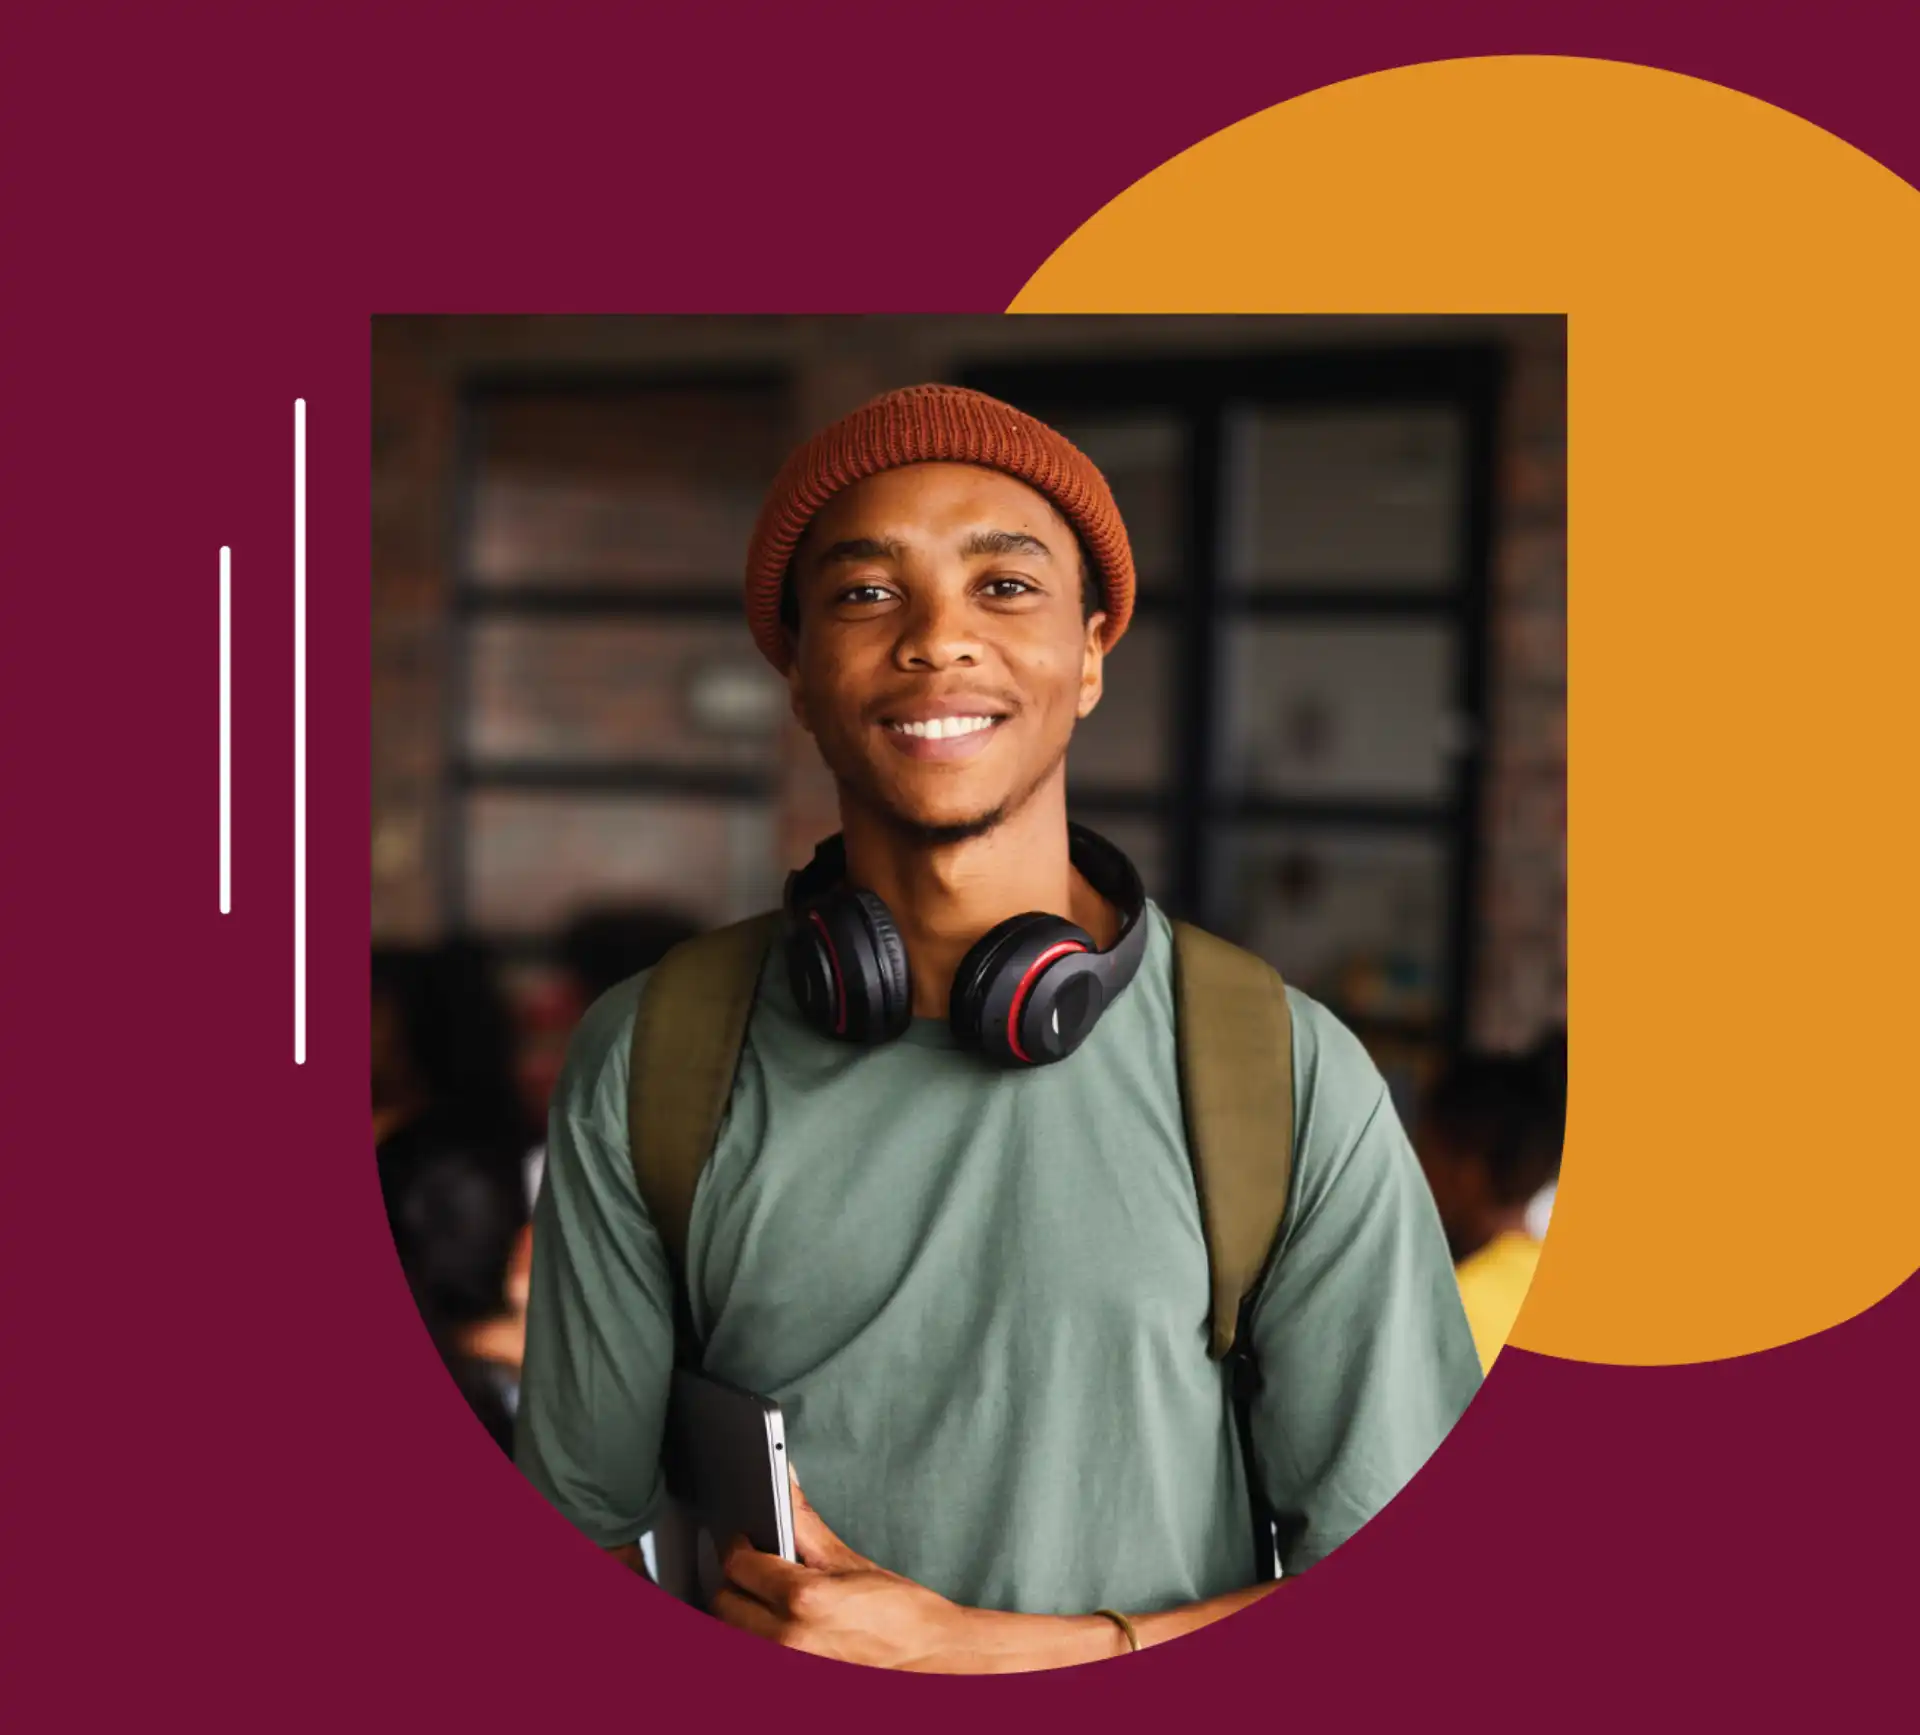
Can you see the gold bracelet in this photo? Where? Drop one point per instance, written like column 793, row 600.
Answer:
column 1125, row 1625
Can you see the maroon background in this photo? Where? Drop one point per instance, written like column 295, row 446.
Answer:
column 243, row 1490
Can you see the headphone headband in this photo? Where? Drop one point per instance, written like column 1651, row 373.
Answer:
column 1028, row 992
column 1105, row 865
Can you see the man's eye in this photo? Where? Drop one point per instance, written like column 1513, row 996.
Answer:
column 1008, row 586
column 858, row 594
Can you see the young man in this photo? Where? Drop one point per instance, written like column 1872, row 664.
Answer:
column 979, row 1291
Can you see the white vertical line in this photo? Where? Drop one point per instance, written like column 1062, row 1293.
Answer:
column 299, row 731
column 226, row 731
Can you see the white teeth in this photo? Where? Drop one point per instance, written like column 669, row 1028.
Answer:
column 941, row 728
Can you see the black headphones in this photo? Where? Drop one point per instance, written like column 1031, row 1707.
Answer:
column 1028, row 992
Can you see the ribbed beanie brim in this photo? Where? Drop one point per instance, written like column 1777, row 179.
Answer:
column 929, row 425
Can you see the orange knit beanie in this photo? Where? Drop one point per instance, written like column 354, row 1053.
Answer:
column 927, row 425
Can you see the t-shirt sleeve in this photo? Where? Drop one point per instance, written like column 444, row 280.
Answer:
column 1365, row 1357
column 599, row 1355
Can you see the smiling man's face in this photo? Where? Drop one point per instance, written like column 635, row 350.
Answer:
column 943, row 655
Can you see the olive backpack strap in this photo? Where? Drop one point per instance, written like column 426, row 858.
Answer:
column 1235, row 1036
column 688, row 1031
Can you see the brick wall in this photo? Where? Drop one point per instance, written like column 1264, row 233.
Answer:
column 412, row 441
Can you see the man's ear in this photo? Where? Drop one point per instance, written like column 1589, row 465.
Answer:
column 1092, row 664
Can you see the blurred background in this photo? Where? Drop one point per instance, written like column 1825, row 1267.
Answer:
column 1335, row 733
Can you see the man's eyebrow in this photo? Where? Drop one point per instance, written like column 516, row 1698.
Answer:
column 1005, row 542
column 862, row 548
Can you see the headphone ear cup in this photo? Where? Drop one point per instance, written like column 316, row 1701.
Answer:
column 890, row 1001
column 972, row 979
column 848, row 968
column 814, row 975
column 998, row 973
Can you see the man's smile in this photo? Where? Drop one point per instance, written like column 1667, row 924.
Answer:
column 954, row 737
column 957, row 726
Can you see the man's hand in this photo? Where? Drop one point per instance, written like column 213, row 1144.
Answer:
column 837, row 1603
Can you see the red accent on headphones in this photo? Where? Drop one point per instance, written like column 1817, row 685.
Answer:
column 839, row 987
column 1026, row 987
column 866, row 995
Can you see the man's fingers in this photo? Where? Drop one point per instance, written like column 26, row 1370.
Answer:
column 741, row 1611
column 813, row 1541
column 766, row 1577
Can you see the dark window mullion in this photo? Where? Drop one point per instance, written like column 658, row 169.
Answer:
column 1334, row 604
column 1357, row 814
column 613, row 777
column 1197, row 698
column 1480, row 401
column 594, row 603
column 456, row 698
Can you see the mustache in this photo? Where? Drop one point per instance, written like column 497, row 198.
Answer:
column 998, row 704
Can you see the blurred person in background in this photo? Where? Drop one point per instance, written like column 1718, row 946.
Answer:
column 442, row 1049
column 979, row 1292
column 460, row 1228
column 448, row 1138
column 601, row 948
column 597, row 950
column 1489, row 1139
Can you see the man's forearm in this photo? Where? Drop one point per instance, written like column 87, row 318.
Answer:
column 999, row 1643
column 1156, row 1629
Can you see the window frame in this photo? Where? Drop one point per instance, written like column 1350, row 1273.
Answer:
column 472, row 602
column 1202, row 392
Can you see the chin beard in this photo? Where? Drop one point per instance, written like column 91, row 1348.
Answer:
column 929, row 836
column 932, row 834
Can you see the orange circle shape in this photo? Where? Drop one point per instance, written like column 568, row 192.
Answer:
column 1743, row 301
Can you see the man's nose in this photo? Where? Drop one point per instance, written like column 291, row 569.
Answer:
column 939, row 632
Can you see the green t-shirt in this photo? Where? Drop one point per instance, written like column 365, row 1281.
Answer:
column 980, row 1297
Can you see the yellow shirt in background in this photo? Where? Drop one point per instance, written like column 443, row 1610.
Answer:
column 1493, row 1283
